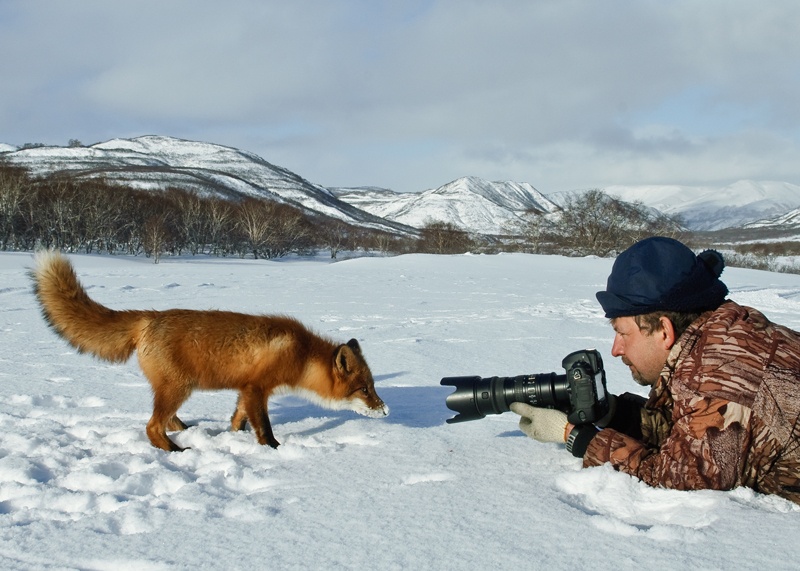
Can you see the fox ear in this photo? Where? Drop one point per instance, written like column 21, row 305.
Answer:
column 353, row 344
column 344, row 358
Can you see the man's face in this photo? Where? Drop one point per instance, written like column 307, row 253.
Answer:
column 644, row 353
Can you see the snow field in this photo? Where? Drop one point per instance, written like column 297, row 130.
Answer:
column 81, row 487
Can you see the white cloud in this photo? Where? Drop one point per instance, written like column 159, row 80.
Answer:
column 410, row 95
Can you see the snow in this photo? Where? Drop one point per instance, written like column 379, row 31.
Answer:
column 81, row 487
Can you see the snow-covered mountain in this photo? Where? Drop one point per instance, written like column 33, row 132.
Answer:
column 471, row 203
column 790, row 221
column 476, row 205
column 715, row 208
column 155, row 162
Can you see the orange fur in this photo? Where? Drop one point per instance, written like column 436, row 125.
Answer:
column 181, row 350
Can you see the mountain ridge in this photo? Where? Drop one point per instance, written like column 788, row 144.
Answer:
column 468, row 202
column 153, row 162
column 715, row 208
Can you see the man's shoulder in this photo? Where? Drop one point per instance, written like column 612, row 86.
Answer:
column 738, row 328
column 731, row 351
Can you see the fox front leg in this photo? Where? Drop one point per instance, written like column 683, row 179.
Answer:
column 252, row 406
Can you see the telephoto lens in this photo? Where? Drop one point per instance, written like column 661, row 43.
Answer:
column 475, row 397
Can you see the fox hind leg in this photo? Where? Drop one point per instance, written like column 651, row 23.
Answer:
column 176, row 424
column 166, row 402
column 239, row 418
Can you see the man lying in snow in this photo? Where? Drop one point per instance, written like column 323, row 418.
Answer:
column 724, row 404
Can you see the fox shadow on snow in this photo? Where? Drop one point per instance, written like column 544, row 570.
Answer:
column 415, row 407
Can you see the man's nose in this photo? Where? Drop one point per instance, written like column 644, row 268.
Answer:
column 617, row 349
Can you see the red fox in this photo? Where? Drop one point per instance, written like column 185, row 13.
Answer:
column 180, row 350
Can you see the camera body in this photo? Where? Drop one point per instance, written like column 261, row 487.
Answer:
column 586, row 380
column 580, row 392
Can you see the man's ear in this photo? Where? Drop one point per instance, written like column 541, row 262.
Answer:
column 667, row 332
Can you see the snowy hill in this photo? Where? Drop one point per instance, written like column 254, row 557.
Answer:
column 714, row 208
column 154, row 163
column 469, row 202
column 790, row 220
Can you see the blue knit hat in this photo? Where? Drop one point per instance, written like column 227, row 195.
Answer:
column 661, row 274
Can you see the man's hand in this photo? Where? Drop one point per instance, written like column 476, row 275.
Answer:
column 542, row 424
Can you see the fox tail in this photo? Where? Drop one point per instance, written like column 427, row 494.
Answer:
column 85, row 324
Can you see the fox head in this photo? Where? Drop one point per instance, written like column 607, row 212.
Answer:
column 353, row 386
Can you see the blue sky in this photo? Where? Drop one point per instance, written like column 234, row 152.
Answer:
column 410, row 95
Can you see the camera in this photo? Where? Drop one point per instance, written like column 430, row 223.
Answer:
column 580, row 393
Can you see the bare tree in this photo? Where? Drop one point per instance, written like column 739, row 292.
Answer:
column 155, row 236
column 190, row 221
column 62, row 214
column 334, row 235
column 220, row 221
column 14, row 185
column 536, row 230
column 594, row 223
column 291, row 230
column 438, row 237
column 385, row 242
column 254, row 219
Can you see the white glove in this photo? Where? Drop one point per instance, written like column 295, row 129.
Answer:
column 542, row 424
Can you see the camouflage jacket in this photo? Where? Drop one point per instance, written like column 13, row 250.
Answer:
column 724, row 413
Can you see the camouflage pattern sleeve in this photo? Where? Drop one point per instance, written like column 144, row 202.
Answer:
column 701, row 450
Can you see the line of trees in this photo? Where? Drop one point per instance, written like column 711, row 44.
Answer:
column 92, row 215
